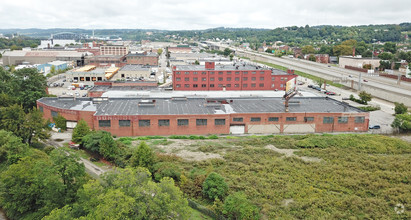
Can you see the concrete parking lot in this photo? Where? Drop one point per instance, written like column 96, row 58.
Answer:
column 63, row 90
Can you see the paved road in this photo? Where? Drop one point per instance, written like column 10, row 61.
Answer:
column 66, row 137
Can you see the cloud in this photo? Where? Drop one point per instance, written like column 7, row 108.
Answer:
column 200, row 14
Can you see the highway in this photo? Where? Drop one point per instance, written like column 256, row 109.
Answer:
column 380, row 87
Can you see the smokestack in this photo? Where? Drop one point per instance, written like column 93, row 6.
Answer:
column 353, row 51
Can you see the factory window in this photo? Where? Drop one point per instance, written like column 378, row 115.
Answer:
column 203, row 85
column 261, row 72
column 253, row 85
column 41, row 108
column 186, row 72
column 144, row 123
column 211, row 72
column 220, row 78
column 177, row 72
column 204, row 73
column 203, row 79
column 237, row 79
column 228, row 78
column 342, row 120
column 272, row 85
column 282, row 85
column 291, row 118
column 178, row 85
column 186, row 79
column 272, row 78
column 238, row 119
column 195, row 72
column 273, row 119
column 211, row 85
column 54, row 114
column 104, row 123
column 328, row 120
column 236, row 85
column 308, row 119
column 229, row 72
column 186, row 85
column 261, row 78
column 163, row 122
column 244, row 85
column 245, row 78
column 182, row 122
column 220, row 85
column 178, row 79
column 211, row 78
column 220, row 73
column 201, row 122
column 195, row 79
column 261, row 85
column 285, row 78
column 237, row 72
column 228, row 85
column 253, row 78
column 255, row 119
column 245, row 72
column 219, row 122
column 254, row 72
column 195, row 85
column 359, row 119
column 282, row 78
column 124, row 123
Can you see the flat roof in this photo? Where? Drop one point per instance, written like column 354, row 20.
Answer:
column 143, row 55
column 121, row 88
column 241, row 67
column 135, row 68
column 199, row 106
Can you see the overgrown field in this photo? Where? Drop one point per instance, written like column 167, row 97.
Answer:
column 351, row 176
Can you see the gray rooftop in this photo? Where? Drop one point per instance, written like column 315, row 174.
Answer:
column 122, row 88
column 135, row 68
column 191, row 106
column 143, row 55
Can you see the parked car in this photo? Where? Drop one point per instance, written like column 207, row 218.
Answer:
column 350, row 76
column 375, row 127
column 330, row 93
column 365, row 80
column 310, row 86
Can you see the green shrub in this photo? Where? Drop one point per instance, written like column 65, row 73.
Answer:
column 215, row 186
column 237, row 206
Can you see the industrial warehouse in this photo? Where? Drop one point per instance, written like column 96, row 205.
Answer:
column 202, row 116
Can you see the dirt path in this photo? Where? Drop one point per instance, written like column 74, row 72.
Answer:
column 290, row 153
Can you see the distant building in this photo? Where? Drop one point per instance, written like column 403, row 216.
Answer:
column 17, row 57
column 228, row 77
column 58, row 65
column 358, row 62
column 107, row 60
column 133, row 72
column 142, row 58
column 180, row 49
column 114, row 50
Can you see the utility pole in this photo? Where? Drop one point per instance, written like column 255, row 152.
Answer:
column 359, row 82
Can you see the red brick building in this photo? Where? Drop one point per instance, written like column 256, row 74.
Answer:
column 144, row 58
column 238, row 77
column 107, row 60
column 200, row 116
column 113, row 50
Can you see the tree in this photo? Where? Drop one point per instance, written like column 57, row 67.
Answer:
column 196, row 62
column 215, row 186
column 71, row 172
column 237, row 206
column 319, row 82
column 365, row 97
column 81, row 130
column 34, row 127
column 402, row 122
column 386, row 56
column 308, row 49
column 390, row 47
column 92, row 140
column 53, row 69
column 159, row 51
column 11, row 148
column 166, row 169
column 342, row 50
column 400, row 108
column 227, row 51
column 108, row 147
column 312, row 58
column 61, row 122
column 143, row 156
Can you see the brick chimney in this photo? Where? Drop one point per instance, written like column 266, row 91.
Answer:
column 353, row 51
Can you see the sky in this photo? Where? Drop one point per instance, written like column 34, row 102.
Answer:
column 198, row 14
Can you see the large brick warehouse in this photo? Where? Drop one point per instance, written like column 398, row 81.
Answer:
column 202, row 116
column 211, row 77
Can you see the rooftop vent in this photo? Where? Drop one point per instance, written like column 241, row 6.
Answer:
column 147, row 103
column 179, row 98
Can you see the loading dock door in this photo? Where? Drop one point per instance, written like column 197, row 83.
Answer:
column 71, row 124
column 237, row 129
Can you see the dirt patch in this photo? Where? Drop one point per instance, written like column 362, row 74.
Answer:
column 188, row 149
column 404, row 137
column 290, row 153
column 287, row 202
